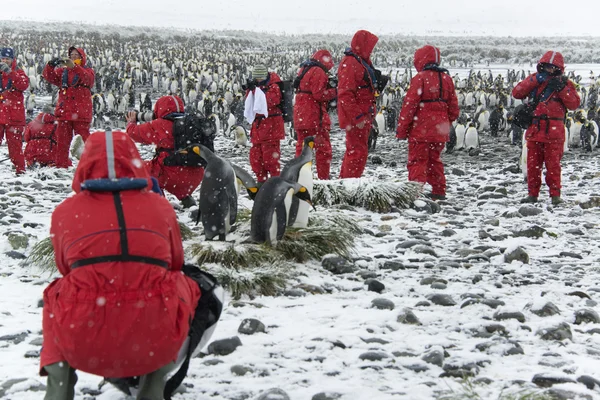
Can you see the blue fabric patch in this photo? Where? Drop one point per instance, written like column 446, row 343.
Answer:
column 155, row 186
column 114, row 185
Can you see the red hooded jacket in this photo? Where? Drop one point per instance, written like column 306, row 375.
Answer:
column 75, row 96
column 313, row 95
column 39, row 136
column 356, row 96
column 182, row 180
column 12, row 104
column 554, row 107
column 123, row 306
column 430, row 104
column 270, row 128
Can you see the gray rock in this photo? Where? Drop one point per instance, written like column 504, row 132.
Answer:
column 375, row 286
column 373, row 356
column 532, row 232
column 589, row 382
column 457, row 172
column 575, row 231
column 337, row 265
column 425, row 250
column 374, row 340
column 32, row 354
column 448, row 232
column 16, row 338
column 294, row 293
column 570, row 254
column 408, row 317
column 382, row 304
column 529, row 211
column 408, row 244
column 560, row 394
column 431, row 279
column 438, row 285
column 441, row 299
column 18, row 240
column 586, row 316
column 15, row 255
column 392, row 265
column 273, row 394
column 37, row 341
column 518, row 254
column 404, row 354
column 547, row 380
column 327, row 396
column 250, row 326
column 213, row 361
column 500, row 316
column 548, row 310
column 417, row 367
column 241, row 370
column 492, row 222
column 482, row 381
column 559, row 332
column 435, row 357
column 224, row 347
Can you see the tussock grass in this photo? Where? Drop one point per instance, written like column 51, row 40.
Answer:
column 42, row 255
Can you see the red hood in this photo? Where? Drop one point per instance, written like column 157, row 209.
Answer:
column 324, row 57
column 554, row 58
column 363, row 44
column 167, row 105
column 274, row 78
column 94, row 163
column 427, row 55
column 81, row 53
column 44, row 118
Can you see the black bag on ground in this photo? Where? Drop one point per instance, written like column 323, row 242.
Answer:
column 189, row 129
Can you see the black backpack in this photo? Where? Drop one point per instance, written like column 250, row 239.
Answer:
column 189, row 129
column 287, row 100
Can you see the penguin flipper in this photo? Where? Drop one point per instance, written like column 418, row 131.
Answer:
column 281, row 220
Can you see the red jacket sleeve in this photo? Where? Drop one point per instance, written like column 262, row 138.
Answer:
column 20, row 81
column 409, row 107
column 347, row 91
column 147, row 133
column 53, row 75
column 56, row 237
column 525, row 87
column 318, row 87
column 86, row 76
column 273, row 96
column 569, row 96
column 27, row 134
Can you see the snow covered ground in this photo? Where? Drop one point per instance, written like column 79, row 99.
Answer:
column 491, row 328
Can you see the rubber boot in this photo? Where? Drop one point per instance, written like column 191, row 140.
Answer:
column 61, row 381
column 152, row 385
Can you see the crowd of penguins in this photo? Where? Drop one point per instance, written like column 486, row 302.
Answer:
column 208, row 75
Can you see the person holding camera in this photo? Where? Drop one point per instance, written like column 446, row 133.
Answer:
column 180, row 181
column 429, row 107
column 124, row 304
column 75, row 79
column 554, row 94
column 13, row 82
column 358, row 84
column 40, row 139
column 314, row 90
column 262, row 110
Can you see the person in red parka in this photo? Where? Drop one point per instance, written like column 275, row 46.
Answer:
column 429, row 107
column 546, row 134
column 180, row 181
column 13, row 81
column 357, row 86
column 122, row 307
column 310, row 110
column 73, row 112
column 267, row 129
column 40, row 139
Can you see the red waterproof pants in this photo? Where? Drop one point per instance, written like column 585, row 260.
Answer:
column 538, row 154
column 323, row 151
column 64, row 135
column 357, row 151
column 264, row 159
column 14, row 141
column 425, row 165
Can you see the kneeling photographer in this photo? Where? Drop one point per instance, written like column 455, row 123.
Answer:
column 165, row 129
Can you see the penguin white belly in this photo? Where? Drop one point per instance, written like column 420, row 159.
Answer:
column 230, row 122
column 217, row 122
column 471, row 139
column 595, row 137
column 566, row 142
column 575, row 138
column 240, row 137
column 380, row 119
column 523, row 160
column 305, row 178
column 460, row 137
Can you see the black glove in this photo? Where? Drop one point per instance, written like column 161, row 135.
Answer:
column 4, row 68
column 54, row 62
column 557, row 84
column 250, row 85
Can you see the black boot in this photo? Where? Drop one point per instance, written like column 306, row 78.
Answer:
column 529, row 199
column 61, row 381
column 188, row 202
column 556, row 200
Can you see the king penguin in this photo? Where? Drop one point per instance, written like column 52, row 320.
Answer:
column 271, row 209
column 300, row 170
column 217, row 204
column 243, row 178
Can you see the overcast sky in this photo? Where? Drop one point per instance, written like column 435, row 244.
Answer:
column 421, row 17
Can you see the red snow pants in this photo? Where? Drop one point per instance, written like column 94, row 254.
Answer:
column 538, row 154
column 14, row 141
column 425, row 165
column 323, row 151
column 64, row 135
column 357, row 151
column 264, row 159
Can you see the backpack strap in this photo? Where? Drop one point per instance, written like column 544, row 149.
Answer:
column 369, row 75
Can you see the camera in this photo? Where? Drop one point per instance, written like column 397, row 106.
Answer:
column 145, row 116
